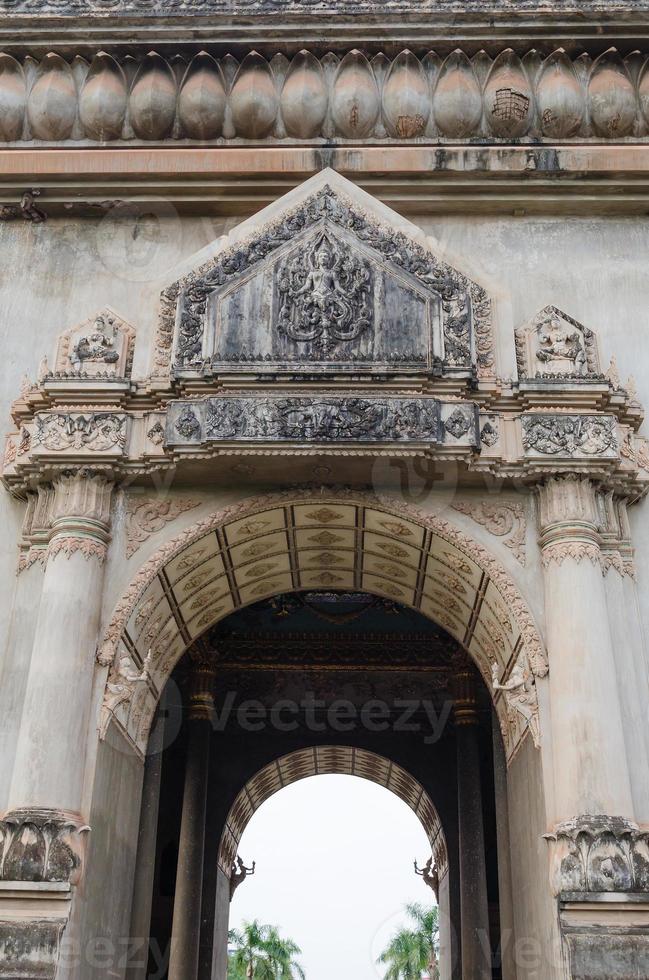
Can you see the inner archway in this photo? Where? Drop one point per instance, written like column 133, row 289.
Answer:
column 328, row 682
column 334, row 869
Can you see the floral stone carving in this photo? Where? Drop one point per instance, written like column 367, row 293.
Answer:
column 147, row 515
column 504, row 519
column 41, row 845
column 599, row 854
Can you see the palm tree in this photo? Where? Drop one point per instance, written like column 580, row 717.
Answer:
column 260, row 953
column 413, row 950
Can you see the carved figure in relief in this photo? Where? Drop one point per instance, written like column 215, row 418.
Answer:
column 325, row 297
column 239, row 873
column 520, row 695
column 561, row 348
column 122, row 687
column 99, row 346
column 430, row 876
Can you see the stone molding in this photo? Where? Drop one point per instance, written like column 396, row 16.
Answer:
column 599, row 854
column 504, row 519
column 148, row 515
column 41, row 845
column 68, row 546
column 355, row 97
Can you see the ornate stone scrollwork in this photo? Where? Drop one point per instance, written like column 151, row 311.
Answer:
column 147, row 515
column 599, row 854
column 41, row 845
column 505, row 519
column 97, row 432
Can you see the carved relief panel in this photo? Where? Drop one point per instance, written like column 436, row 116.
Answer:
column 327, row 289
column 554, row 345
column 99, row 347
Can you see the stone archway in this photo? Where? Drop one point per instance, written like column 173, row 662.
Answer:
column 294, row 541
column 331, row 760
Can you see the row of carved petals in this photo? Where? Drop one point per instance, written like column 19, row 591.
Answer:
column 306, row 98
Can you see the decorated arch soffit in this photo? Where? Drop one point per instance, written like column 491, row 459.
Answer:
column 336, row 540
column 328, row 760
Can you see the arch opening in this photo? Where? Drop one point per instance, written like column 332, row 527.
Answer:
column 338, row 541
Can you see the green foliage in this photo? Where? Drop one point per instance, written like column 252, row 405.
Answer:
column 413, row 950
column 260, row 953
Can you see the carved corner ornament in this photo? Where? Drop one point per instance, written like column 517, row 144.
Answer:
column 41, row 845
column 504, row 519
column 599, row 854
column 148, row 515
column 519, row 691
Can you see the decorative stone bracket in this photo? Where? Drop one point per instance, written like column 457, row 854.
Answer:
column 41, row 845
column 599, row 854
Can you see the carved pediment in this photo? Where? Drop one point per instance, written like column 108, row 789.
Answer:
column 99, row 347
column 553, row 345
column 324, row 285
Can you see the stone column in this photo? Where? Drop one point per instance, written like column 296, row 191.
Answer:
column 49, row 769
column 186, row 927
column 591, row 776
column 146, row 848
column 475, row 943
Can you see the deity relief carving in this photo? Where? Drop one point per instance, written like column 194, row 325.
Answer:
column 326, row 284
column 570, row 435
column 325, row 296
column 554, row 345
column 99, row 347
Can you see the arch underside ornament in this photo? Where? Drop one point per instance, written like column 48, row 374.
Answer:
column 286, row 542
column 330, row 760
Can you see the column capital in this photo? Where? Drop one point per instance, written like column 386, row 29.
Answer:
column 568, row 519
column 80, row 513
column 463, row 689
column 201, row 683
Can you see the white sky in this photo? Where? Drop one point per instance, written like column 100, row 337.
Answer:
column 334, row 869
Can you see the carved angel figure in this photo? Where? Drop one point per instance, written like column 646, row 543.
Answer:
column 325, row 295
column 239, row 873
column 520, row 695
column 126, row 677
column 562, row 346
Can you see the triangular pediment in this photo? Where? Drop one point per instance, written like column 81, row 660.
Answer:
column 326, row 280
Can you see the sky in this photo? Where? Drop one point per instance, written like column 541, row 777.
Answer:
column 334, row 869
